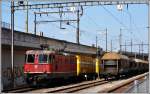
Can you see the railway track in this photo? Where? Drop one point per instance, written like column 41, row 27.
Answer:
column 67, row 88
column 126, row 87
column 82, row 86
column 19, row 89
column 78, row 87
column 120, row 87
column 70, row 87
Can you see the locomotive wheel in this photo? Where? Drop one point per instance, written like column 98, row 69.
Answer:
column 106, row 78
column 117, row 77
column 34, row 83
column 94, row 77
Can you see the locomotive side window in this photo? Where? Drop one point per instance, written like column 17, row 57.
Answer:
column 51, row 58
column 110, row 63
column 30, row 58
column 43, row 58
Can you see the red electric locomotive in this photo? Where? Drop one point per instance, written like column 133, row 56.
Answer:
column 43, row 65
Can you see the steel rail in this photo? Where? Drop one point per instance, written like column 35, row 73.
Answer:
column 78, row 87
column 21, row 90
column 130, row 80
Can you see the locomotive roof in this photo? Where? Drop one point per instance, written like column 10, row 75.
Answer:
column 140, row 60
column 113, row 56
column 39, row 52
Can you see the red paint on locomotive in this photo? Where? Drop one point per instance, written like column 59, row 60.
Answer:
column 50, row 63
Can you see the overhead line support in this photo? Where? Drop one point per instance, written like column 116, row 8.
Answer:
column 12, row 43
column 77, row 3
column 78, row 26
column 37, row 22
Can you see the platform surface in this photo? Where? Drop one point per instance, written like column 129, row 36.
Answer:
column 142, row 87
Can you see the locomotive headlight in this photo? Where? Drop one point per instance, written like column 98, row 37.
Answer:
column 85, row 76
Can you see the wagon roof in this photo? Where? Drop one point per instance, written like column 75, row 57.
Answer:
column 113, row 56
column 39, row 52
column 140, row 60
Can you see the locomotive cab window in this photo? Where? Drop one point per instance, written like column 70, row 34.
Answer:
column 30, row 58
column 43, row 58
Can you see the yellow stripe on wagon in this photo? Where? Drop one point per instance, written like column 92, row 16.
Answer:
column 97, row 65
column 78, row 64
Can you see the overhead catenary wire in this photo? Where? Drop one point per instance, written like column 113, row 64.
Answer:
column 132, row 21
column 8, row 11
column 119, row 22
column 92, row 21
column 136, row 28
column 115, row 18
column 111, row 14
column 107, row 10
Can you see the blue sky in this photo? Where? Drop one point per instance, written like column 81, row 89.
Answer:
column 93, row 22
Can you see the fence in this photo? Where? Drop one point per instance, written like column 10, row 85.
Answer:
column 139, row 87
